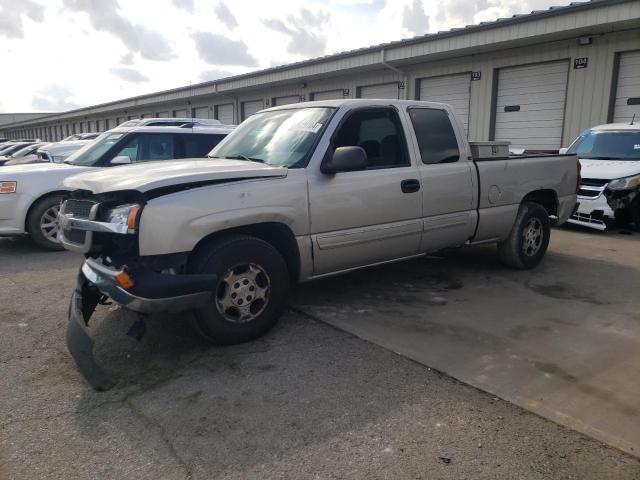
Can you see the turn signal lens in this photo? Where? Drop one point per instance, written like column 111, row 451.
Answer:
column 132, row 218
column 8, row 187
column 124, row 279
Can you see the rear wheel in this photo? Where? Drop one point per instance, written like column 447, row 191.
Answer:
column 42, row 222
column 251, row 290
column 529, row 238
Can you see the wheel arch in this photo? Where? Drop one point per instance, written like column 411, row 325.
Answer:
column 35, row 202
column 277, row 234
column 546, row 197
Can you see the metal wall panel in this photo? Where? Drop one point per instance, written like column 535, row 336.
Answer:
column 251, row 107
column 224, row 113
column 452, row 89
column 627, row 96
column 530, row 105
column 385, row 90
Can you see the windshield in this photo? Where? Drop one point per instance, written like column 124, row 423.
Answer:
column 25, row 151
column 607, row 145
column 90, row 153
column 280, row 137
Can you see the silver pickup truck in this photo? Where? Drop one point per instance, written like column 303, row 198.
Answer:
column 297, row 193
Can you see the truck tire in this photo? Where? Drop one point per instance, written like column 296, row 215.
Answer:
column 529, row 238
column 42, row 222
column 252, row 290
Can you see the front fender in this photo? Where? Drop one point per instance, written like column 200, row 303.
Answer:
column 177, row 222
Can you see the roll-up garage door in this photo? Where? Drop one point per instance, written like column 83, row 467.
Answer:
column 249, row 108
column 277, row 101
column 627, row 101
column 385, row 90
column 328, row 95
column 200, row 112
column 530, row 105
column 451, row 89
column 224, row 113
column 179, row 113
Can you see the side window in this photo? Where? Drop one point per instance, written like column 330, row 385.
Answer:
column 435, row 135
column 379, row 133
column 197, row 145
column 130, row 149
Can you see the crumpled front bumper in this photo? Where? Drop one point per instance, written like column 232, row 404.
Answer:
column 152, row 292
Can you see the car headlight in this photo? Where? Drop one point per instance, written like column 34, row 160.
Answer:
column 8, row 187
column 626, row 183
column 125, row 215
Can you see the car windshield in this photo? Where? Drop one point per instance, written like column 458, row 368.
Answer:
column 24, row 151
column 279, row 137
column 90, row 153
column 607, row 145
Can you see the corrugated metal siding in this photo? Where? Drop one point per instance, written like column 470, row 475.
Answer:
column 627, row 99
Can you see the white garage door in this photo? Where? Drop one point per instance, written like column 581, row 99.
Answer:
column 530, row 105
column 200, row 112
column 224, row 113
column 451, row 89
column 386, row 90
column 249, row 108
column 277, row 101
column 328, row 95
column 628, row 88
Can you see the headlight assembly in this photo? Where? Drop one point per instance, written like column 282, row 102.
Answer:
column 626, row 183
column 125, row 215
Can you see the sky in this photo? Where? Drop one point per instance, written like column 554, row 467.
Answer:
column 57, row 55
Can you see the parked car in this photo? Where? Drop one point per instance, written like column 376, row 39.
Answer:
column 58, row 152
column 296, row 193
column 171, row 122
column 610, row 186
column 30, row 195
column 10, row 148
column 82, row 136
column 23, row 156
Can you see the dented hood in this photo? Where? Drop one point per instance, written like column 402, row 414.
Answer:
column 609, row 169
column 147, row 176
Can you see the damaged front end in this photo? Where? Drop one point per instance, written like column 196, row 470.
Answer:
column 623, row 197
column 105, row 230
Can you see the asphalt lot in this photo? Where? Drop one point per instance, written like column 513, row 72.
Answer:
column 306, row 401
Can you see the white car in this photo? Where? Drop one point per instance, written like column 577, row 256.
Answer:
column 610, row 186
column 30, row 195
column 57, row 152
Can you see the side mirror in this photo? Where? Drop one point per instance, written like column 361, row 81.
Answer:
column 562, row 151
column 120, row 160
column 346, row 159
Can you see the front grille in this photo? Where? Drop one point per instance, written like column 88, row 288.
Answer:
column 593, row 182
column 79, row 208
column 582, row 192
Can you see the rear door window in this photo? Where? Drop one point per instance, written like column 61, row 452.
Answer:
column 196, row 145
column 436, row 138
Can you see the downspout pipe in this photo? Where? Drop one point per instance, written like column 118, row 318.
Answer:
column 405, row 77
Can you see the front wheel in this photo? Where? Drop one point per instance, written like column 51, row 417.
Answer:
column 42, row 222
column 529, row 238
column 251, row 291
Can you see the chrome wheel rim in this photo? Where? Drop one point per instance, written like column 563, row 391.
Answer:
column 49, row 223
column 243, row 293
column 532, row 237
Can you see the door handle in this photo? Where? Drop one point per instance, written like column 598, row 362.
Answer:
column 410, row 185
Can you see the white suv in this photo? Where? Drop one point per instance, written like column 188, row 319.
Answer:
column 30, row 195
column 610, row 186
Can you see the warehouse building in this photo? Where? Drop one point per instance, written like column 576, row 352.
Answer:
column 536, row 80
